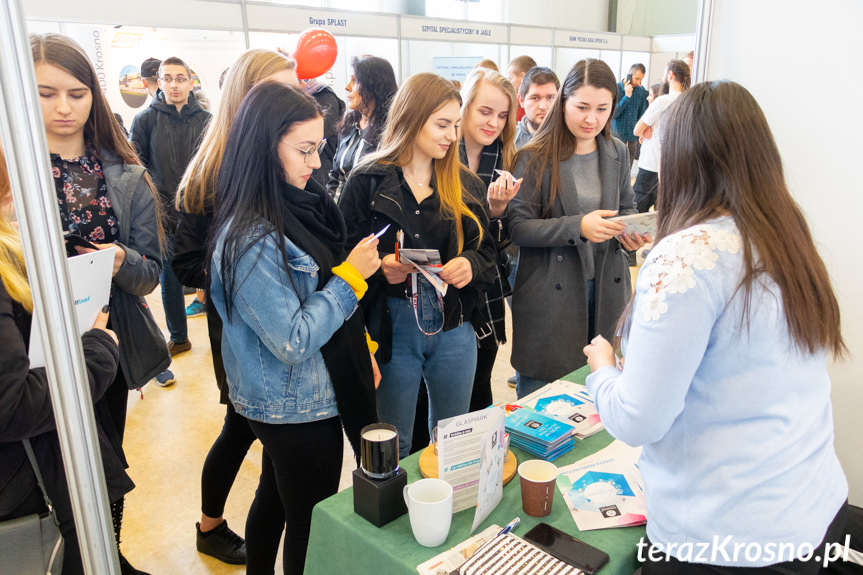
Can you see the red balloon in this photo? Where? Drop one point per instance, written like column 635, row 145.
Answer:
column 315, row 54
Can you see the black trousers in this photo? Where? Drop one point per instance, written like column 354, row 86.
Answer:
column 645, row 188
column 667, row 565
column 301, row 466
column 223, row 462
column 481, row 396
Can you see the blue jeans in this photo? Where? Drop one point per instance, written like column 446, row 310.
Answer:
column 173, row 299
column 525, row 385
column 447, row 361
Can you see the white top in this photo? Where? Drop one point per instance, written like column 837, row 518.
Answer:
column 649, row 158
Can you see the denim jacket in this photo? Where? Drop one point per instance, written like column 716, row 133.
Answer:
column 272, row 345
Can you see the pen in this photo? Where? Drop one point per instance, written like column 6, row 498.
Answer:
column 380, row 233
column 509, row 527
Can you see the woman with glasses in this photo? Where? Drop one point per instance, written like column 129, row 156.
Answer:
column 372, row 86
column 196, row 201
column 416, row 189
column 104, row 195
column 296, row 354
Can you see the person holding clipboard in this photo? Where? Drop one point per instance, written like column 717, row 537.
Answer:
column 415, row 184
column 104, row 195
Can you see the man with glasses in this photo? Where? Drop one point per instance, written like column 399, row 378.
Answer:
column 166, row 136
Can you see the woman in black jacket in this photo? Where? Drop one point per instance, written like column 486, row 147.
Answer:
column 370, row 91
column 25, row 403
column 416, row 188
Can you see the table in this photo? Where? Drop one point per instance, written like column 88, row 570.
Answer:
column 342, row 542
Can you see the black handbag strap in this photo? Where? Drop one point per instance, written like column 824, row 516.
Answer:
column 32, row 457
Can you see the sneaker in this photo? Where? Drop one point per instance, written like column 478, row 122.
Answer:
column 176, row 348
column 196, row 308
column 222, row 543
column 512, row 381
column 166, row 378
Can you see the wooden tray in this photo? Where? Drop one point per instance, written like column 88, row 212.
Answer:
column 428, row 464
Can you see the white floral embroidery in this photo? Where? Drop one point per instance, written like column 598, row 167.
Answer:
column 672, row 263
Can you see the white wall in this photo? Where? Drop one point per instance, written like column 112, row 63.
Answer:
column 587, row 15
column 793, row 56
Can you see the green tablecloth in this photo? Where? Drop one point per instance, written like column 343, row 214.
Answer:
column 342, row 542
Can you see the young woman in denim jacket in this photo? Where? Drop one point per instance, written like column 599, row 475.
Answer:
column 105, row 196
column 195, row 203
column 416, row 185
column 294, row 350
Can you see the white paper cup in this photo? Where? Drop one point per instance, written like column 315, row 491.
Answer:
column 429, row 503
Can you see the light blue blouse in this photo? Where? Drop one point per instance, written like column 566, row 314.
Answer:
column 736, row 423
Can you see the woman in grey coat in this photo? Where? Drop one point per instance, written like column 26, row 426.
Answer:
column 573, row 276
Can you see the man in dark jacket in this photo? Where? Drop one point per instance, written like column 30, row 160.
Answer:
column 334, row 110
column 166, row 136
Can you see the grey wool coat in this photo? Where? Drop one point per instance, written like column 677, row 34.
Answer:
column 550, row 296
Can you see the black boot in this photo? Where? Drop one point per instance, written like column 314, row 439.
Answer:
column 117, row 518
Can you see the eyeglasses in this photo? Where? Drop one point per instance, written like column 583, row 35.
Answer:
column 307, row 154
column 179, row 80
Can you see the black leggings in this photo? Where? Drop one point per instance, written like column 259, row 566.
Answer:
column 301, row 466
column 223, row 462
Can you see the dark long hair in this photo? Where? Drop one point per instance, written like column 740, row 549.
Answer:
column 553, row 143
column 719, row 156
column 102, row 132
column 252, row 177
column 376, row 82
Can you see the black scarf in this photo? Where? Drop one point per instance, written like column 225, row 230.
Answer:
column 314, row 223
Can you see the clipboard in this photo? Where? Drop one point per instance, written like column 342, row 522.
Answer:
column 90, row 276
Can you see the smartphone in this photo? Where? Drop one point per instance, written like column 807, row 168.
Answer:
column 629, row 78
column 72, row 240
column 567, row 548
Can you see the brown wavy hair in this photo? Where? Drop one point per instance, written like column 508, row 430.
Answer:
column 419, row 97
column 719, row 157
column 102, row 132
column 553, row 142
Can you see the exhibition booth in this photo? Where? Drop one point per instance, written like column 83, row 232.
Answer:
column 211, row 38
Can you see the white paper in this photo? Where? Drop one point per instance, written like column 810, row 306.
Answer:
column 492, row 455
column 453, row 558
column 605, row 489
column 644, row 223
column 460, row 453
column 428, row 263
column 90, row 276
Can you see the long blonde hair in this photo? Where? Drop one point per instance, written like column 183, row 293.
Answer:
column 198, row 185
column 419, row 97
column 13, row 272
column 470, row 89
